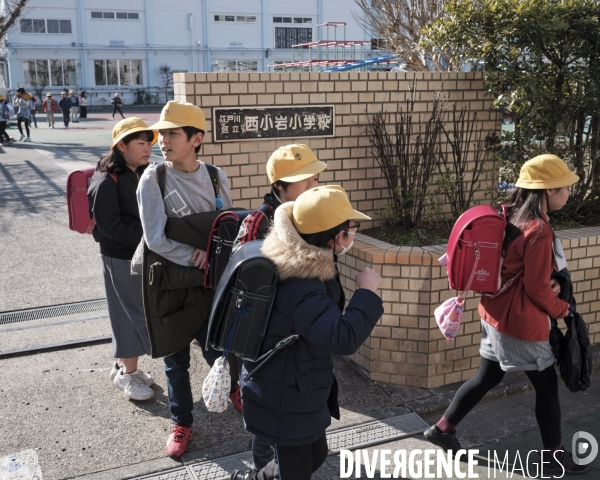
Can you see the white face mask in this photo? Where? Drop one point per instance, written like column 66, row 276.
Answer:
column 345, row 249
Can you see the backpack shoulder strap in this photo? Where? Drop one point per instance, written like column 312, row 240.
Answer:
column 214, row 178
column 268, row 212
column 161, row 177
column 115, row 177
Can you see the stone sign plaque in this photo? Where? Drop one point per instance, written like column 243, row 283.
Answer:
column 264, row 123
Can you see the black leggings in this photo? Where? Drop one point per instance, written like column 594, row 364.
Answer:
column 547, row 405
column 26, row 122
column 3, row 134
column 117, row 108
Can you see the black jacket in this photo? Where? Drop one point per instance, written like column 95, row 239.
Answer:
column 118, row 225
column 291, row 399
column 572, row 351
column 176, row 303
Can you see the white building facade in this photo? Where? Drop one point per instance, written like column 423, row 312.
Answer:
column 108, row 46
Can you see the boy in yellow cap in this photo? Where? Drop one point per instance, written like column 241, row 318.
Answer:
column 179, row 187
column 292, row 170
column 290, row 401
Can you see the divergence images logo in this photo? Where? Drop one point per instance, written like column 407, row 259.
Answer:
column 584, row 447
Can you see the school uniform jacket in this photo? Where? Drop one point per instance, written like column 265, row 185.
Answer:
column 522, row 311
column 118, row 225
column 291, row 399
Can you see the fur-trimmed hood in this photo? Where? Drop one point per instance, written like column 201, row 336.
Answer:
column 292, row 256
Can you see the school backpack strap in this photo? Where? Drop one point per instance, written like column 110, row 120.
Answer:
column 161, row 177
column 214, row 179
column 268, row 211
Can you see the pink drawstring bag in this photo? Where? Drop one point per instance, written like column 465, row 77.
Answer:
column 448, row 316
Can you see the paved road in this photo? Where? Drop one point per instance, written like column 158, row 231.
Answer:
column 43, row 262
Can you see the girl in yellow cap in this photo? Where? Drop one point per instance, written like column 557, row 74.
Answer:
column 290, row 400
column 118, row 230
column 516, row 324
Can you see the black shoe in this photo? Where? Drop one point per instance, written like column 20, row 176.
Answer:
column 446, row 441
column 237, row 475
column 567, row 465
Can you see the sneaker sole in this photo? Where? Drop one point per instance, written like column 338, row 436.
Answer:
column 139, row 398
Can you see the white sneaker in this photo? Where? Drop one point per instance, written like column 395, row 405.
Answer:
column 113, row 371
column 21, row 138
column 147, row 379
column 27, row 139
column 133, row 386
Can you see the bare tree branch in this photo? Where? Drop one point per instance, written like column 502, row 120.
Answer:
column 398, row 23
column 14, row 9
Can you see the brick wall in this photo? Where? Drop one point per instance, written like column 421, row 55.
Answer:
column 354, row 94
column 406, row 347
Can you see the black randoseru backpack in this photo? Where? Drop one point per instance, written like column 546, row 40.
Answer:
column 242, row 303
column 220, row 243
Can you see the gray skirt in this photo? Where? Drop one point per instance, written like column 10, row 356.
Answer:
column 512, row 353
column 125, row 308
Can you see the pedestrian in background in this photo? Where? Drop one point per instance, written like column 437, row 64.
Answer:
column 4, row 116
column 49, row 106
column 21, row 102
column 516, row 324
column 118, row 230
column 65, row 105
column 74, row 106
column 83, row 105
column 117, row 103
column 33, row 109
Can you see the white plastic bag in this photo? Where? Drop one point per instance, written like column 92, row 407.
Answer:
column 215, row 389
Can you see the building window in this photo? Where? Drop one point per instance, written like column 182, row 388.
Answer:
column 234, row 66
column 49, row 73
column 116, row 43
column 292, row 20
column 29, row 25
column 118, row 72
column 116, row 15
column 235, row 18
column 286, row 37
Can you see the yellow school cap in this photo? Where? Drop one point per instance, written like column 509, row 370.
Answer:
column 180, row 114
column 323, row 208
column 128, row 126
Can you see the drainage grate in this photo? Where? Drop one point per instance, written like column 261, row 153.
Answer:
column 97, row 308
column 177, row 474
column 351, row 438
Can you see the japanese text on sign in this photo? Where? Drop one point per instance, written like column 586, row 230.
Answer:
column 231, row 124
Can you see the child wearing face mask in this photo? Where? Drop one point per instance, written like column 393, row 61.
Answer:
column 292, row 170
column 289, row 402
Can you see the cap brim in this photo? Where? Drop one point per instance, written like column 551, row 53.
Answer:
column 359, row 216
column 165, row 125
column 565, row 181
column 305, row 172
column 133, row 130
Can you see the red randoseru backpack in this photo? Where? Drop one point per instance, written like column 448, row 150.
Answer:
column 475, row 250
column 78, row 182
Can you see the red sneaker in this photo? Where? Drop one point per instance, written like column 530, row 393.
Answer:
column 178, row 440
column 236, row 398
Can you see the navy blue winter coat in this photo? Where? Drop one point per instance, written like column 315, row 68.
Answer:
column 291, row 399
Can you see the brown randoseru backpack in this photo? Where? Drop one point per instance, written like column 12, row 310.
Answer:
column 242, row 306
column 220, row 243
